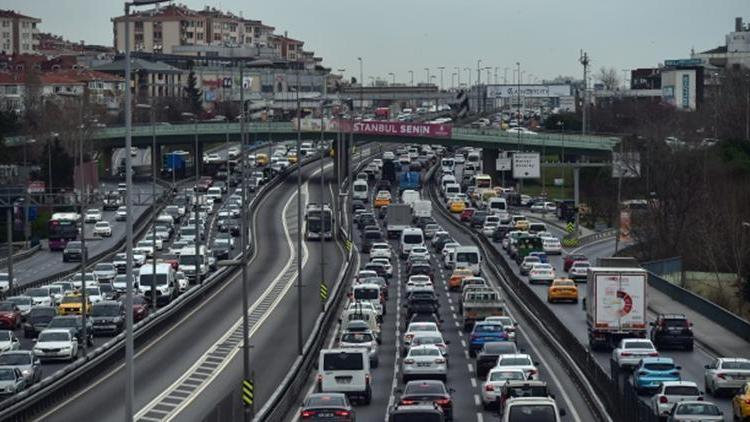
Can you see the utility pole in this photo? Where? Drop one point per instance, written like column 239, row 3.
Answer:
column 323, row 220
column 458, row 75
column 584, row 60
column 619, row 195
column 299, row 219
column 479, row 79
column 9, row 234
column 84, row 252
column 518, row 117
column 129, row 363
column 441, row 68
column 361, row 91
column 246, row 375
column 427, row 69
column 411, row 75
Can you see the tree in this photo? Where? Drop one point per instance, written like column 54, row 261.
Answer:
column 193, row 94
column 62, row 164
column 608, row 77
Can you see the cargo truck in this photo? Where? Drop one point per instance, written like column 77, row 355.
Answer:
column 410, row 180
column 397, row 218
column 615, row 303
column 479, row 303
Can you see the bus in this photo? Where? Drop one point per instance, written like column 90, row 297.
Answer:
column 61, row 229
column 318, row 222
column 482, row 181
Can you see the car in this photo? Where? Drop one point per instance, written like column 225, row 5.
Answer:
column 652, row 371
column 384, row 263
column 422, row 362
column 670, row 392
column 24, row 303
column 72, row 304
column 74, row 251
column 726, row 374
column 361, row 339
column 630, row 351
column 541, row 273
column 430, row 229
column 327, row 407
column 121, row 214
column 508, row 324
column 672, row 330
column 493, row 387
column 457, row 278
column 519, row 361
column 12, row 380
column 92, row 215
column 414, row 329
column 94, row 294
column 419, row 252
column 467, row 214
column 532, row 409
column 419, row 281
column 570, row 259
column 433, row 391
column 108, row 317
column 427, row 412
column 551, row 245
column 562, row 289
column 543, row 206
column 527, row 262
column 140, row 308
column 56, row 343
column 381, row 250
column 5, row 282
column 382, row 199
column 456, row 205
column 485, row 332
column 578, row 271
column 105, row 272
column 24, row 361
column 10, row 315
column 9, row 341
column 40, row 296
column 435, row 339
column 103, row 229
column 741, row 403
column 490, row 352
column 489, row 227
column 74, row 323
column 37, row 320
column 690, row 411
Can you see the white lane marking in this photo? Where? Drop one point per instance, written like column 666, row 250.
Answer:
column 471, row 368
column 289, row 283
column 477, row 401
column 457, row 324
column 463, row 343
column 480, row 417
column 473, row 382
column 397, row 342
column 453, row 309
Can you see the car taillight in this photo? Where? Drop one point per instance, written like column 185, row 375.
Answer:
column 443, row 402
column 489, row 387
column 722, row 376
column 308, row 413
column 747, row 401
column 654, row 354
column 408, row 361
column 439, row 361
column 663, row 399
column 407, row 402
column 342, row 413
column 408, row 336
column 626, row 354
column 367, row 379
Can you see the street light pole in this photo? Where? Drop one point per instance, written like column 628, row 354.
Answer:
column 129, row 364
column 518, row 116
column 299, row 220
column 441, row 68
column 458, row 76
column 323, row 220
column 393, row 78
column 361, row 90
column 411, row 75
column 246, row 375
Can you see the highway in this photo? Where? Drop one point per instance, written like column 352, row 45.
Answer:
column 174, row 352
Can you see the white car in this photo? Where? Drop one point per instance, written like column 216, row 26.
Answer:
column 508, row 324
column 630, row 351
column 212, row 158
column 541, row 273
column 94, row 294
column 41, row 296
column 519, row 361
column 418, row 281
column 133, row 151
column 381, row 250
column 77, row 283
column 5, row 282
column 9, row 341
column 579, row 270
column 521, row 130
column 425, row 338
column 361, row 339
column 105, row 271
column 414, row 329
column 386, row 263
column 121, row 214
column 489, row 227
column 103, row 229
column 423, row 362
column 25, row 303
column 159, row 243
column 419, row 252
column 671, row 392
column 726, row 374
column 543, row 207
column 492, row 388
column 182, row 281
column 56, row 343
column 552, row 245
column 92, row 216
column 144, row 247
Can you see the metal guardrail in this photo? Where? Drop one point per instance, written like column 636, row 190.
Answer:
column 539, row 139
column 20, row 256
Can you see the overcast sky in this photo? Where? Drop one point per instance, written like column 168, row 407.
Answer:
column 545, row 36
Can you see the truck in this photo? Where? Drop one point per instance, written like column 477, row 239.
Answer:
column 397, row 218
column 410, row 180
column 616, row 302
column 422, row 208
column 388, row 172
column 478, row 303
column 174, row 163
column 111, row 201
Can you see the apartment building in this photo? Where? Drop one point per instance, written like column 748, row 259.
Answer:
column 18, row 33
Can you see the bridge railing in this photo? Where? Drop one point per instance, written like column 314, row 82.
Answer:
column 191, row 129
column 539, row 139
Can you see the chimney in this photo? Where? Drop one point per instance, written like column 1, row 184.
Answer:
column 738, row 24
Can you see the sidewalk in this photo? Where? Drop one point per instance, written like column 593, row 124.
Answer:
column 709, row 334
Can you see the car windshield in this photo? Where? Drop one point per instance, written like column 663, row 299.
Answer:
column 5, row 335
column 426, row 340
column 356, row 337
column 20, row 301
column 704, row 409
column 500, row 348
column 320, row 400
column 189, row 259
column 422, row 327
column 72, row 299
column 366, row 293
column 488, row 328
column 7, row 306
column 514, row 361
column 507, row 375
column 106, row 310
column 58, row 336
column 659, row 366
column 93, row 291
column 413, row 239
column 638, row 345
column 64, row 322
column 532, row 413
column 528, row 391
column 681, row 390
column 676, row 323
column 470, row 257
column 418, row 388
column 373, row 235
column 15, row 358
column 37, row 292
column 745, row 365
column 42, row 314
column 7, row 374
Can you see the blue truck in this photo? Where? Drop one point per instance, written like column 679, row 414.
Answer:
column 410, row 180
column 175, row 162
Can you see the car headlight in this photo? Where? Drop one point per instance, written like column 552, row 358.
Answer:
column 26, row 371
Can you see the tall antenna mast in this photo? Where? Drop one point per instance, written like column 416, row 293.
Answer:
column 584, row 60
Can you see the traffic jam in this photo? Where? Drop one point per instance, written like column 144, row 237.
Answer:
column 426, row 335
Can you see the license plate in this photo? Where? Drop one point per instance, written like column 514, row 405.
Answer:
column 344, row 380
column 325, row 414
column 423, row 364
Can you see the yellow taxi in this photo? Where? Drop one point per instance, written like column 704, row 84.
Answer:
column 562, row 289
column 71, row 304
column 741, row 403
column 382, row 199
column 261, row 160
column 458, row 276
column 457, row 205
column 292, row 158
column 522, row 225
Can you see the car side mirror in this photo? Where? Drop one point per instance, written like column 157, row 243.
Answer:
column 652, row 324
column 447, row 342
column 678, row 367
column 562, row 412
column 33, row 340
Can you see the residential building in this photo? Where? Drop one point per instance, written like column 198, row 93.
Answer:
column 18, row 33
column 733, row 54
column 148, row 78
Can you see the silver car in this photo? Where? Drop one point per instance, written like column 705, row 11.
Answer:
column 11, row 381
column 26, row 362
column 695, row 411
column 361, row 339
column 726, row 374
column 424, row 362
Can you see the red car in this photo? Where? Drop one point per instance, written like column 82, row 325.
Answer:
column 140, row 308
column 10, row 315
column 467, row 213
column 570, row 259
column 416, row 392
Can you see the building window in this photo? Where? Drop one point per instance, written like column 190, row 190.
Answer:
column 6, row 34
column 6, row 24
column 199, row 36
column 157, row 35
column 138, row 38
column 139, row 26
column 217, row 37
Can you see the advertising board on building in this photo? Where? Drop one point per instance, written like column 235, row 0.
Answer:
column 526, row 165
column 527, row 91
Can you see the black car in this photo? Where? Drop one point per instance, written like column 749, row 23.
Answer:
column 421, row 268
column 499, row 234
column 357, row 204
column 37, row 320
column 74, row 323
column 428, row 391
column 417, row 412
column 327, row 407
column 366, row 219
column 477, row 220
column 487, row 357
column 383, row 184
column 369, row 237
column 108, row 317
column 220, row 251
column 421, row 222
column 108, row 291
column 421, row 304
column 439, row 240
column 379, row 269
column 74, row 252
column 672, row 330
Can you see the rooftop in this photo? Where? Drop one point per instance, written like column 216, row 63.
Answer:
column 16, row 15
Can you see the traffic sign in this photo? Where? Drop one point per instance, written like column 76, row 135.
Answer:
column 248, row 392
column 570, row 227
column 348, row 245
column 323, row 291
column 526, row 165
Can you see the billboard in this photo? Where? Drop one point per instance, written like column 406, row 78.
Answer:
column 526, row 165
column 527, row 91
column 429, row 130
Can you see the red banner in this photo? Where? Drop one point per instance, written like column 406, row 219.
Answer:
column 430, row 130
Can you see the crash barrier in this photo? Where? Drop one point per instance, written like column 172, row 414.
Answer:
column 21, row 255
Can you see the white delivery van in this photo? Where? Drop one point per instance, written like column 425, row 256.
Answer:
column 448, row 178
column 422, row 208
column 163, row 279
column 360, row 190
column 189, row 260
column 495, row 205
column 214, row 193
column 468, row 257
column 411, row 238
column 452, row 189
column 448, row 163
column 345, row 371
column 410, row 196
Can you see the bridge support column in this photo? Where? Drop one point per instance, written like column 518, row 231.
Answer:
column 156, row 161
column 489, row 157
column 199, row 158
column 106, row 155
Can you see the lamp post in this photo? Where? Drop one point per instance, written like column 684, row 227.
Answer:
column 299, row 220
column 561, row 124
column 393, row 78
column 26, row 225
column 505, row 75
column 458, row 76
column 361, row 90
column 468, row 72
column 441, row 68
column 372, row 81
column 150, row 108
column 411, row 75
column 427, row 69
column 49, row 159
column 496, row 69
column 196, row 206
column 518, row 116
column 453, row 80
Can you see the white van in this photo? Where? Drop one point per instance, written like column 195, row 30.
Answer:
column 497, row 204
column 214, row 193
column 474, row 157
column 345, row 371
column 163, row 279
column 448, row 163
column 188, row 260
column 468, row 257
column 411, row 238
column 368, row 316
column 410, row 196
column 452, row 189
column 368, row 292
column 360, row 190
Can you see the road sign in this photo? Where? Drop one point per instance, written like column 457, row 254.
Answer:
column 526, row 165
column 570, row 227
column 559, row 181
column 323, row 291
column 348, row 245
column 248, row 392
column 503, row 164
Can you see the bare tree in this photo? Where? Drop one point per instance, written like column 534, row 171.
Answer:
column 608, row 77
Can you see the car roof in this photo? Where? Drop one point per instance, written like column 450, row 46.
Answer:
column 56, row 330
